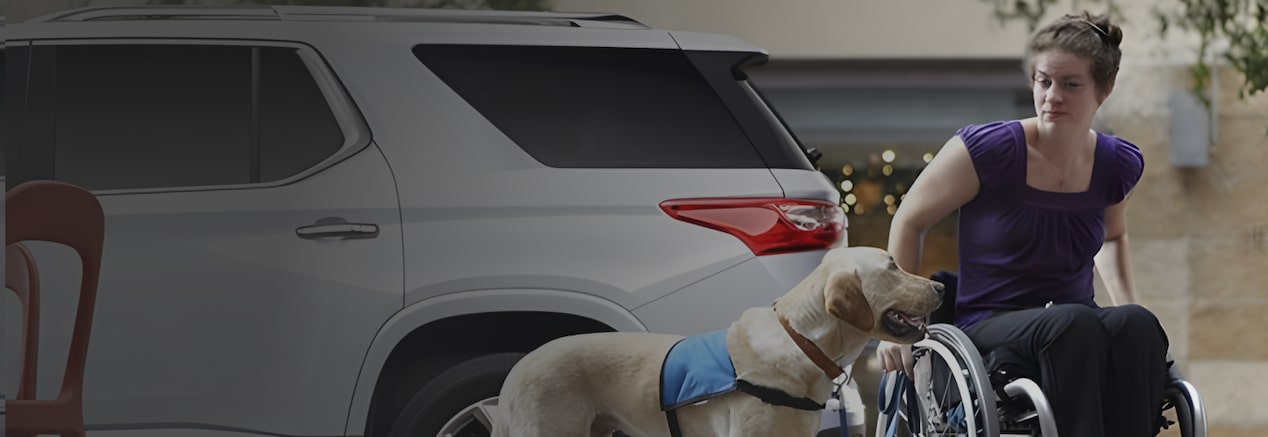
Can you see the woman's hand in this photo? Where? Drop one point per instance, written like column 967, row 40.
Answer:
column 895, row 356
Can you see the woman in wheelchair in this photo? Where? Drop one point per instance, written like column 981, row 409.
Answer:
column 1041, row 202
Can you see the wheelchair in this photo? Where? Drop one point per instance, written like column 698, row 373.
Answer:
column 955, row 394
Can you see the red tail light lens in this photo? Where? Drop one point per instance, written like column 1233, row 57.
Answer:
column 766, row 225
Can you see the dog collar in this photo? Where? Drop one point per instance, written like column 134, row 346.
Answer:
column 812, row 350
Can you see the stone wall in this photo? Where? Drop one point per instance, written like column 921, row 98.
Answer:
column 1199, row 240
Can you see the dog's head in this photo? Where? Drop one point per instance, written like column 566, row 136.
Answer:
column 866, row 289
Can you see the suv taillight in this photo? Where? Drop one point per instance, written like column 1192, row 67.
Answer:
column 766, row 225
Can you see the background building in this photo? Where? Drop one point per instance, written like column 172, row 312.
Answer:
column 879, row 85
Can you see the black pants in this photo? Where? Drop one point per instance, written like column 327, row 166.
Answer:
column 1102, row 369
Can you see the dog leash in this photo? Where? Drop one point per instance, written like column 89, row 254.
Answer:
column 837, row 402
column 845, row 422
column 902, row 389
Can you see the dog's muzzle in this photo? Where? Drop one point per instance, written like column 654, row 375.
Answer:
column 904, row 325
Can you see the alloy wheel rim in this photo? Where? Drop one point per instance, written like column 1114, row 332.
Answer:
column 474, row 421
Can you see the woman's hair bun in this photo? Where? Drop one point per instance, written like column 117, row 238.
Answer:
column 1110, row 33
column 1113, row 34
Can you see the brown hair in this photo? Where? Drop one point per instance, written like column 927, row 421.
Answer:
column 1088, row 36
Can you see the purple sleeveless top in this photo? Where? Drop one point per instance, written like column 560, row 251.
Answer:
column 1022, row 247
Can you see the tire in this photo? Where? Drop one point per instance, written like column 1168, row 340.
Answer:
column 453, row 397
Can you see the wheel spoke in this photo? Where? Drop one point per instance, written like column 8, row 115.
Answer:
column 474, row 421
column 485, row 411
column 966, row 377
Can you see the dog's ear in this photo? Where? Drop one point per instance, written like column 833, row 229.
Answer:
column 844, row 299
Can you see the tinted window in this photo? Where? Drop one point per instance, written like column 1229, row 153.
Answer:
column 727, row 72
column 297, row 129
column 597, row 107
column 143, row 116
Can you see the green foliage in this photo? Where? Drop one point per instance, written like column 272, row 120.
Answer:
column 1230, row 29
column 1239, row 22
column 1032, row 11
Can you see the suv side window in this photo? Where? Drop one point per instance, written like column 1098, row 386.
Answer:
column 597, row 107
column 297, row 128
column 164, row 115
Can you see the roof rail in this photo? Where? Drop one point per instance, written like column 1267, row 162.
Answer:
column 156, row 12
column 339, row 13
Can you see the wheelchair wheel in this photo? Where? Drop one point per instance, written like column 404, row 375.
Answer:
column 1190, row 413
column 951, row 394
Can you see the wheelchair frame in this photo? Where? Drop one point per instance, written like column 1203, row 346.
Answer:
column 985, row 415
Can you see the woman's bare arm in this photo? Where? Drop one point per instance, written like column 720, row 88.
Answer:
column 946, row 184
column 1113, row 262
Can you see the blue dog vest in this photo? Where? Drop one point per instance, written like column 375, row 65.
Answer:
column 697, row 368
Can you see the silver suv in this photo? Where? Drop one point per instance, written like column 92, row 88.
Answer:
column 346, row 221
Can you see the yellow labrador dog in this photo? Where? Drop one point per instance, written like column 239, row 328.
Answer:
column 595, row 384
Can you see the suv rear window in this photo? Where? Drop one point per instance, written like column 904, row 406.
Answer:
column 597, row 107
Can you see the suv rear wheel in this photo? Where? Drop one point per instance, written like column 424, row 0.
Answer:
column 457, row 401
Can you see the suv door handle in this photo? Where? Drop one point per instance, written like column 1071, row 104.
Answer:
column 337, row 227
